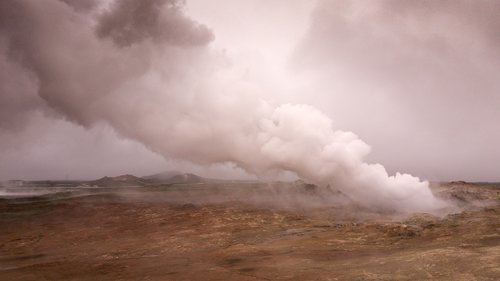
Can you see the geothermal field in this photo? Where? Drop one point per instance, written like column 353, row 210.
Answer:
column 295, row 140
column 243, row 231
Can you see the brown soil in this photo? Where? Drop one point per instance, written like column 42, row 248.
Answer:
column 110, row 237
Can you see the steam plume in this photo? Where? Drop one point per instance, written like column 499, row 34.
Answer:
column 145, row 68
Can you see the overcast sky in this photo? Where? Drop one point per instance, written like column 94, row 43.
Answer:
column 94, row 88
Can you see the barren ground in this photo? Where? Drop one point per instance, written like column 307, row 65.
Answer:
column 109, row 236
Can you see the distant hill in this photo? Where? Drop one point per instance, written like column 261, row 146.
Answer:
column 188, row 178
column 119, row 181
column 168, row 178
column 163, row 176
column 160, row 178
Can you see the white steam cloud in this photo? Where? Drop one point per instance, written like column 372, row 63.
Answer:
column 146, row 69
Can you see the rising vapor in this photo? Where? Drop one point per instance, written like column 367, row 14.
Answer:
column 146, row 69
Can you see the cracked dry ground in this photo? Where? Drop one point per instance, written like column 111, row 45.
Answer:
column 102, row 238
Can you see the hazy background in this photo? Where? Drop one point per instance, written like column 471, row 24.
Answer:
column 416, row 80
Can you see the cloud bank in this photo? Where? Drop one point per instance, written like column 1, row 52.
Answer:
column 416, row 79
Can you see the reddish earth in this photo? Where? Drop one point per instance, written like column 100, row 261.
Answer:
column 116, row 237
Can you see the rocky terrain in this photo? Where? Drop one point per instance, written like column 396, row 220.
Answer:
column 167, row 233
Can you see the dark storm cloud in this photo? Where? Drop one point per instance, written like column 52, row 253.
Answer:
column 426, row 72
column 71, row 65
column 82, row 5
column 132, row 21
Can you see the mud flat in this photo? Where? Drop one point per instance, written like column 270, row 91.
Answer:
column 151, row 234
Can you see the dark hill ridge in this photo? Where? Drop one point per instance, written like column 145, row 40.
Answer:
column 165, row 178
column 119, row 181
column 188, row 178
column 161, row 178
